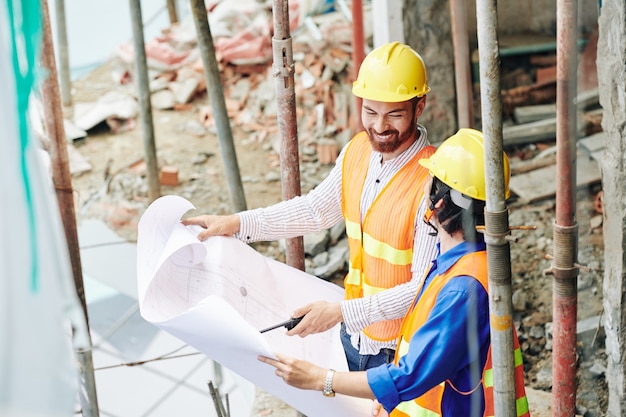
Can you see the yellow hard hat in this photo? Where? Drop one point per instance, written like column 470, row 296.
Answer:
column 391, row 73
column 459, row 162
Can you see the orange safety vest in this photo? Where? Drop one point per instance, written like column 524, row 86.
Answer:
column 381, row 246
column 429, row 404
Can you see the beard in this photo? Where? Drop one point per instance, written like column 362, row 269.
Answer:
column 397, row 140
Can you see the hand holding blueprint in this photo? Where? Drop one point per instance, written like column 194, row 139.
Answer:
column 216, row 296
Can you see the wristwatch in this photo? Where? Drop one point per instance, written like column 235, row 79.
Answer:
column 328, row 384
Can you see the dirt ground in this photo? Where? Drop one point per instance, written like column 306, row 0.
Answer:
column 121, row 200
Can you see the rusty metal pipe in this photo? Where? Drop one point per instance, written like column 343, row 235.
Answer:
column 283, row 72
column 172, row 11
column 565, row 228
column 358, row 55
column 496, row 214
column 460, row 40
column 62, row 179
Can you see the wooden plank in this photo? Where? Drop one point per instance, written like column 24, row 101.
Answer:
column 538, row 131
column 594, row 142
column 588, row 99
column 541, row 183
column 520, row 167
column 529, row 132
column 527, row 114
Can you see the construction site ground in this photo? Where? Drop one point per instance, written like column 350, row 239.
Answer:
column 115, row 188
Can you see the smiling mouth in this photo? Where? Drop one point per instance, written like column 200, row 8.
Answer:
column 385, row 137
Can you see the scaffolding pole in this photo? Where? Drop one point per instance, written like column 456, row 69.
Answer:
column 61, row 176
column 218, row 104
column 64, row 61
column 145, row 106
column 172, row 11
column 462, row 73
column 283, row 71
column 496, row 215
column 564, row 268
column 358, row 55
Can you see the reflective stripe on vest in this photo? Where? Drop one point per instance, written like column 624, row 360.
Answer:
column 377, row 249
column 381, row 252
column 521, row 401
column 413, row 409
column 488, row 378
column 474, row 265
column 387, row 252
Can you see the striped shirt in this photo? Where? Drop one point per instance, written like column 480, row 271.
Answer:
column 321, row 209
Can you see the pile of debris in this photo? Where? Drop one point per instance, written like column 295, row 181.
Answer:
column 241, row 34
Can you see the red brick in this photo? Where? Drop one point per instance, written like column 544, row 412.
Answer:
column 327, row 151
column 169, row 175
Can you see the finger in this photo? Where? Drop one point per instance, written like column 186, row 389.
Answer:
column 302, row 329
column 302, row 311
column 269, row 361
column 376, row 406
column 194, row 220
column 266, row 359
column 284, row 359
column 204, row 235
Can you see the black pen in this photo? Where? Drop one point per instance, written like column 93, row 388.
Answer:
column 289, row 324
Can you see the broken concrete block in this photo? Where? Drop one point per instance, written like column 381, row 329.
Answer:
column 163, row 100
column 184, row 90
column 112, row 104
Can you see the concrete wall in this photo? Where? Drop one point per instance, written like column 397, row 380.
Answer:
column 427, row 29
column 534, row 16
column 612, row 89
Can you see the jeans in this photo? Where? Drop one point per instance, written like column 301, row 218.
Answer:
column 358, row 362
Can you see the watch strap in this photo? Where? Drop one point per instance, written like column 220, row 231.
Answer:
column 328, row 384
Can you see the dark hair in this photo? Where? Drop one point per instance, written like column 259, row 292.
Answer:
column 415, row 101
column 454, row 218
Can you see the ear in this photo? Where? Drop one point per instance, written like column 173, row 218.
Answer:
column 419, row 108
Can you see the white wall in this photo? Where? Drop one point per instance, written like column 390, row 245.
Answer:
column 95, row 28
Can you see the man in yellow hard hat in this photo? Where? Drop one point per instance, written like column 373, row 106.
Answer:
column 443, row 362
column 376, row 188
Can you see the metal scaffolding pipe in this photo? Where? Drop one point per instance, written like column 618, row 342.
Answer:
column 64, row 65
column 496, row 214
column 358, row 55
column 462, row 73
column 145, row 106
column 283, row 71
column 564, row 268
column 172, row 11
column 62, row 179
column 218, row 104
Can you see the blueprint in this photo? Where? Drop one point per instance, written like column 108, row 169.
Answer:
column 216, row 296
